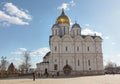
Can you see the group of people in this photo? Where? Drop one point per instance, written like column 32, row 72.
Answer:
column 38, row 75
column 46, row 74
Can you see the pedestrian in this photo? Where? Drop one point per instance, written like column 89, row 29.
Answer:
column 33, row 76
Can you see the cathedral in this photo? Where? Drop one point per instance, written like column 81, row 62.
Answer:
column 72, row 53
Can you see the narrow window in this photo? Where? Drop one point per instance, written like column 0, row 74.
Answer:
column 77, row 48
column 60, row 32
column 89, row 62
column 55, row 48
column 66, row 48
column 78, row 62
column 64, row 29
column 88, row 48
column 67, row 30
column 55, row 67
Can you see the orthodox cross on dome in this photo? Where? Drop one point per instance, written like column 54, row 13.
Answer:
column 63, row 11
column 75, row 20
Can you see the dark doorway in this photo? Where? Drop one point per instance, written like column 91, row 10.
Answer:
column 46, row 72
column 67, row 69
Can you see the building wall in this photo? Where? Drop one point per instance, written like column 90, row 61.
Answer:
column 78, row 52
column 82, row 53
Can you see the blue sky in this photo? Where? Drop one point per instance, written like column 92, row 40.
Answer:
column 29, row 28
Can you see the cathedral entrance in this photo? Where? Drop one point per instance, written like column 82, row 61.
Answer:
column 46, row 72
column 67, row 69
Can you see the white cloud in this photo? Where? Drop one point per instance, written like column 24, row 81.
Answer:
column 87, row 25
column 118, row 55
column 19, row 51
column 72, row 3
column 107, row 37
column 22, row 49
column 113, row 43
column 11, row 19
column 40, row 52
column 11, row 14
column 18, row 60
column 66, row 6
column 14, row 10
column 87, row 31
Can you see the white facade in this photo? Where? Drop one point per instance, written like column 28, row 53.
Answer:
column 72, row 53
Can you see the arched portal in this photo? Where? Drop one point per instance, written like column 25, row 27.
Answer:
column 67, row 69
column 46, row 71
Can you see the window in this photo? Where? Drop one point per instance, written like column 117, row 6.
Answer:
column 55, row 66
column 88, row 48
column 55, row 48
column 78, row 62
column 77, row 48
column 64, row 29
column 66, row 48
column 60, row 32
column 89, row 62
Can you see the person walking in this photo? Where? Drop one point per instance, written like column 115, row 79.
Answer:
column 33, row 76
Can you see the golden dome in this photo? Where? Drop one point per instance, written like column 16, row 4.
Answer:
column 63, row 18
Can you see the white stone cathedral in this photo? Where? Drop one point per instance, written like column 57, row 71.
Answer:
column 70, row 52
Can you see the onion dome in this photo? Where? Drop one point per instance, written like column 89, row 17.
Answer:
column 63, row 18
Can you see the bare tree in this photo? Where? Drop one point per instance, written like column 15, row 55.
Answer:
column 110, row 64
column 110, row 68
column 24, row 67
column 4, row 62
column 21, row 68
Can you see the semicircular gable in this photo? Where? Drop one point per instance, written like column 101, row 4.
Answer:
column 78, row 38
column 98, row 39
column 67, row 38
column 89, row 38
column 55, row 38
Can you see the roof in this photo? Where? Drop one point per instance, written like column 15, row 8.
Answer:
column 47, row 54
column 83, row 36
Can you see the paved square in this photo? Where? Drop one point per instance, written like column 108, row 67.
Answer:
column 104, row 79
